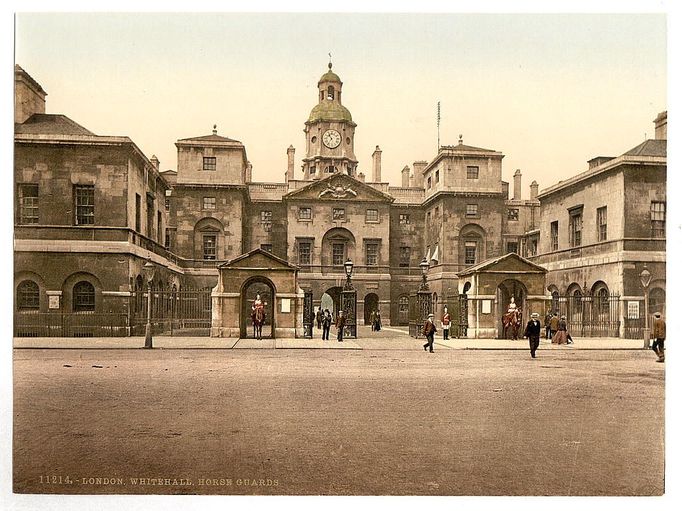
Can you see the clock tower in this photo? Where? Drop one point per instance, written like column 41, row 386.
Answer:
column 329, row 132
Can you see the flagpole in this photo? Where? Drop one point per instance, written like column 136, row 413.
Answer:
column 438, row 126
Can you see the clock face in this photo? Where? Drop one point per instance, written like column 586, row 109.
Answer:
column 331, row 138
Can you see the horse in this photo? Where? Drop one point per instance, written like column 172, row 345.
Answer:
column 258, row 318
column 513, row 320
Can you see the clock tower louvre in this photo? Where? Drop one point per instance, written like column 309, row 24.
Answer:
column 330, row 132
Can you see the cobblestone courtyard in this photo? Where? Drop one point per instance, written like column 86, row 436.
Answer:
column 456, row 422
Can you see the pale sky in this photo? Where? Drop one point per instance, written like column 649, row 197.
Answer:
column 549, row 91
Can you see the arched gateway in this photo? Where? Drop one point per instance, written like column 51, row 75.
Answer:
column 239, row 282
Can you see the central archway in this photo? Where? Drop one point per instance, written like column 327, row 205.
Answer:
column 252, row 287
column 506, row 290
column 331, row 299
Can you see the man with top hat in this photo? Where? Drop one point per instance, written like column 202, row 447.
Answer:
column 429, row 331
column 533, row 333
column 658, row 333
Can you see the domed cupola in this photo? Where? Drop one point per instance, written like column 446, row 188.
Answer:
column 330, row 132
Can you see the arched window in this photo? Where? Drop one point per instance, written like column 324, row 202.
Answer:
column 330, row 92
column 83, row 296
column 28, row 295
column 656, row 300
column 555, row 301
column 602, row 301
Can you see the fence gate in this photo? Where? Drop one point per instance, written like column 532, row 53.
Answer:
column 595, row 315
column 179, row 313
column 463, row 321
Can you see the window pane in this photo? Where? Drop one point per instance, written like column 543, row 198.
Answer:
column 209, row 203
column 28, row 204
column 372, row 252
column 472, row 172
column 28, row 295
column 85, row 204
column 209, row 163
column 404, row 219
column 83, row 297
column 337, row 254
column 209, row 246
column 305, row 213
column 304, row 252
column 372, row 215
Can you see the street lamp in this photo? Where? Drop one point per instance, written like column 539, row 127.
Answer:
column 348, row 266
column 424, row 265
column 148, row 270
column 645, row 279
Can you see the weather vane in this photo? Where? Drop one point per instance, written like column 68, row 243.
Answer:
column 330, row 60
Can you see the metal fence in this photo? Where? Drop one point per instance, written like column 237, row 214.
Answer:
column 186, row 312
column 595, row 315
column 74, row 324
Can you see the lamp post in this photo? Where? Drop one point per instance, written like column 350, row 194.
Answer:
column 148, row 270
column 348, row 266
column 645, row 280
column 424, row 266
column 349, row 301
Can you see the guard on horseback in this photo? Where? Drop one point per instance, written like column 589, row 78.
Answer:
column 258, row 317
column 512, row 319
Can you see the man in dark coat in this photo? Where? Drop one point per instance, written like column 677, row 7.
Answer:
column 533, row 333
column 553, row 324
column 658, row 333
column 548, row 328
column 340, row 323
column 326, row 324
column 429, row 331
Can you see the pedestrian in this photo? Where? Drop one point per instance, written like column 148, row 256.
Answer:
column 373, row 319
column 318, row 317
column 445, row 321
column 326, row 324
column 548, row 324
column 340, row 323
column 377, row 319
column 429, row 331
column 658, row 334
column 562, row 336
column 553, row 325
column 533, row 333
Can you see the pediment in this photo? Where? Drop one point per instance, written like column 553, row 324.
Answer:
column 259, row 258
column 508, row 263
column 339, row 187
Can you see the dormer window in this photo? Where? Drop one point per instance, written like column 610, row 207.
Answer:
column 330, row 92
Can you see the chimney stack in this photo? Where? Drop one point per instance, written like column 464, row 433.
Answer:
column 661, row 126
column 419, row 167
column 361, row 177
column 290, row 163
column 249, row 172
column 534, row 190
column 155, row 162
column 405, row 173
column 376, row 165
column 517, row 185
column 29, row 96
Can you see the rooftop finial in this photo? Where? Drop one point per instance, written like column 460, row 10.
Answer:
column 215, row 129
column 460, row 140
column 330, row 61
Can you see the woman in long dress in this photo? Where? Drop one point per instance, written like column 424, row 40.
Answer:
column 561, row 335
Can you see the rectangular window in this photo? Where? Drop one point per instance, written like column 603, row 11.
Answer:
column 533, row 246
column 575, row 226
column 405, row 254
column 428, row 217
column 554, row 235
column 512, row 247
column 167, row 203
column 28, row 204
column 159, row 230
column 85, row 204
column 209, row 203
column 472, row 172
column 601, row 224
column 209, row 245
column 513, row 214
column 305, row 213
column 428, row 182
column 372, row 215
column 267, row 247
column 338, row 214
column 150, row 217
column 138, row 212
column 167, row 240
column 437, row 176
column 470, row 252
column 266, row 220
column 657, row 219
column 338, row 253
column 304, row 250
column 404, row 219
column 313, row 170
column 372, row 254
column 209, row 163
column 472, row 211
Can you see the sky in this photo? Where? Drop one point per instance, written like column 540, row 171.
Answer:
column 550, row 91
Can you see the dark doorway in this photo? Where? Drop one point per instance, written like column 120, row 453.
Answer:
column 331, row 299
column 371, row 305
column 510, row 288
column 253, row 287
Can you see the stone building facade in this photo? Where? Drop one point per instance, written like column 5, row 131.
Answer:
column 454, row 211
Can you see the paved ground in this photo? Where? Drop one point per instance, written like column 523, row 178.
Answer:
column 297, row 421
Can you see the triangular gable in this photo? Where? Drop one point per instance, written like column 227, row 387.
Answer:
column 508, row 263
column 258, row 258
column 339, row 187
